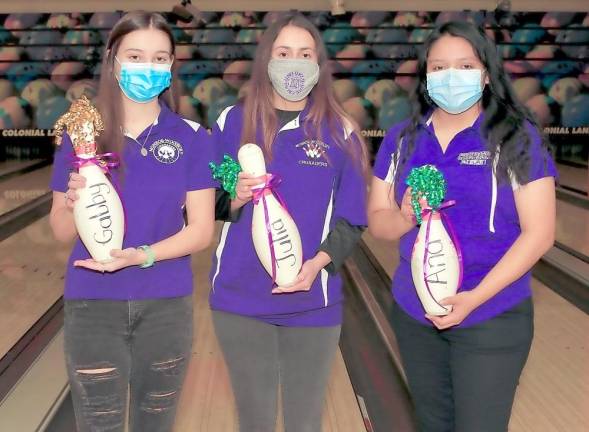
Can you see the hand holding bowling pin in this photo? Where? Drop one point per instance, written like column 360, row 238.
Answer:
column 120, row 259
column 462, row 305
column 309, row 271
column 245, row 184
column 75, row 182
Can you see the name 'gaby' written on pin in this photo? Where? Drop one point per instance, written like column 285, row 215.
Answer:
column 283, row 252
column 100, row 212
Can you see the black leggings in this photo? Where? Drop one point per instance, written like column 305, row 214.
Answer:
column 464, row 380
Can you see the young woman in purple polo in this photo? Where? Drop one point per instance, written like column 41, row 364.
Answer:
column 285, row 337
column 463, row 368
column 128, row 323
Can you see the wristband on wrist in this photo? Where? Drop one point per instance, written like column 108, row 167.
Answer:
column 150, row 256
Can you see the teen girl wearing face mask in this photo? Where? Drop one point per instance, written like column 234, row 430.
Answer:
column 463, row 368
column 128, row 323
column 277, row 336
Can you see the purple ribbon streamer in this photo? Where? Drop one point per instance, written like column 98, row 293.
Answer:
column 446, row 222
column 272, row 181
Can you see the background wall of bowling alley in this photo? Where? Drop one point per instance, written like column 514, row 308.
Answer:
column 49, row 59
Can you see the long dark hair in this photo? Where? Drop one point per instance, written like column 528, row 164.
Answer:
column 504, row 127
column 109, row 99
column 323, row 105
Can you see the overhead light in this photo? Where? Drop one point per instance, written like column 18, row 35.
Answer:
column 337, row 7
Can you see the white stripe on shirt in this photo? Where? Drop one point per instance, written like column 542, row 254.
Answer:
column 326, row 224
column 219, row 251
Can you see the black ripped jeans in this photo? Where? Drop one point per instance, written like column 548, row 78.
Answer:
column 118, row 348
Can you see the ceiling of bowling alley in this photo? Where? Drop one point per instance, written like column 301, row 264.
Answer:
column 10, row 6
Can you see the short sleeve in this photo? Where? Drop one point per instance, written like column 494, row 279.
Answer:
column 201, row 153
column 541, row 161
column 350, row 196
column 62, row 165
column 386, row 161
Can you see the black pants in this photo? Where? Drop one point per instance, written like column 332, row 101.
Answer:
column 464, row 380
column 115, row 347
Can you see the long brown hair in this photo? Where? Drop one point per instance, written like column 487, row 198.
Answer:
column 109, row 99
column 323, row 105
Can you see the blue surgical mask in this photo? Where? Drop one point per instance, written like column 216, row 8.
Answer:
column 141, row 82
column 455, row 90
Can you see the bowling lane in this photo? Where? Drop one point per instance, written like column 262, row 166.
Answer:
column 32, row 267
column 18, row 190
column 554, row 388
column 574, row 178
column 572, row 226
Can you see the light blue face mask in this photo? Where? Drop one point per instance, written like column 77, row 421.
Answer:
column 141, row 82
column 455, row 90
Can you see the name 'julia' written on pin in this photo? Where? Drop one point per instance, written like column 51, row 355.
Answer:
column 101, row 212
column 436, row 263
column 281, row 237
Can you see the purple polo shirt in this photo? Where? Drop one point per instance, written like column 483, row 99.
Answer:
column 484, row 217
column 153, row 193
column 317, row 192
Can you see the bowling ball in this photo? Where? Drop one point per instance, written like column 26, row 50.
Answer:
column 6, row 89
column 408, row 19
column 105, row 20
column 228, row 52
column 83, row 87
column 542, row 107
column 360, row 110
column 575, row 112
column 381, row 91
column 86, row 38
column 576, row 34
column 526, row 88
column 193, row 72
column 15, row 113
column 555, row 70
column 540, row 55
column 368, row 19
column 584, row 77
column 320, row 19
column 237, row 73
column 8, row 55
column 39, row 35
column 39, row 89
column 217, row 107
column 271, row 17
column 61, row 21
column 49, row 110
column 557, row 19
column 393, row 111
column 235, row 19
column 190, row 108
column 185, row 52
column 5, row 36
column 565, row 89
column 345, row 89
column 526, row 37
column 20, row 74
column 249, row 36
column 338, row 36
column 212, row 36
column 350, row 56
column 21, row 21
column 385, row 35
column 368, row 71
column 210, row 90
column 407, row 82
column 63, row 74
column 419, row 35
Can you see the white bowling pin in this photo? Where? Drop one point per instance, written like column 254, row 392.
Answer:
column 285, row 235
column 442, row 266
column 98, row 214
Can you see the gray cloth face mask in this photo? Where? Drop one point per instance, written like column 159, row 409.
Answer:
column 293, row 79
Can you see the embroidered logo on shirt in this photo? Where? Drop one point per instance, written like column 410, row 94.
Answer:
column 166, row 151
column 315, row 151
column 474, row 158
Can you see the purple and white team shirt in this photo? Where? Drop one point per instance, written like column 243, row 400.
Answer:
column 153, row 192
column 484, row 217
column 318, row 191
